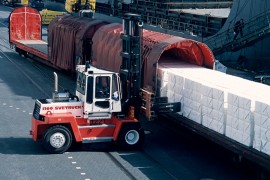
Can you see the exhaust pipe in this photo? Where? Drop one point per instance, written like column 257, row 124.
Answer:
column 59, row 97
column 55, row 83
column 55, row 93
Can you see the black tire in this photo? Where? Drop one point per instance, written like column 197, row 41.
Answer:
column 25, row 54
column 18, row 51
column 131, row 136
column 57, row 139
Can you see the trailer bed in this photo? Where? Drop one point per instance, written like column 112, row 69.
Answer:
column 38, row 45
column 36, row 49
column 243, row 151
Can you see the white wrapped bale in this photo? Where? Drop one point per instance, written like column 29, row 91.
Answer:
column 163, row 74
column 170, row 95
column 213, row 112
column 175, row 83
column 262, row 126
column 192, row 100
column 218, row 125
column 240, row 123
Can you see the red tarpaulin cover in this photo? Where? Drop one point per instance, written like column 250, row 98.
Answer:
column 107, row 47
column 69, row 40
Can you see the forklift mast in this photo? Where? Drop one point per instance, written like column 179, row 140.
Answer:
column 130, row 70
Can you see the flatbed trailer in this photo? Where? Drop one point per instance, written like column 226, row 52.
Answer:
column 28, row 40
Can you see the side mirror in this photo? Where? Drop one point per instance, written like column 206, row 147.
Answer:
column 115, row 96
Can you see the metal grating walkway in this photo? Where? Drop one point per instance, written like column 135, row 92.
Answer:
column 254, row 30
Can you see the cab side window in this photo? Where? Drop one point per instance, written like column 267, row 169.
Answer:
column 81, row 82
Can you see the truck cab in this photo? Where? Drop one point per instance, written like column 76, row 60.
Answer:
column 99, row 90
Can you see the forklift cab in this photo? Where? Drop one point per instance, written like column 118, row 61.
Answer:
column 99, row 90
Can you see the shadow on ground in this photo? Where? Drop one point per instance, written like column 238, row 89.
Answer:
column 20, row 146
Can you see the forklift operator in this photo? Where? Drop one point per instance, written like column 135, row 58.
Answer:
column 102, row 87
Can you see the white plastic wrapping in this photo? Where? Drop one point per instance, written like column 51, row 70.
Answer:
column 229, row 105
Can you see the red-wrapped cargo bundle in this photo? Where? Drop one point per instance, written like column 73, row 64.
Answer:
column 70, row 40
column 107, row 46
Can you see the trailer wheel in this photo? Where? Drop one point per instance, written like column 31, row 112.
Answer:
column 131, row 136
column 57, row 139
column 18, row 50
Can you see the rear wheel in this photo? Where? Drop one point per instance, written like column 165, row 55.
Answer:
column 131, row 136
column 57, row 139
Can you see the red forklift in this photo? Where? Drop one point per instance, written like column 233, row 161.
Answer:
column 102, row 110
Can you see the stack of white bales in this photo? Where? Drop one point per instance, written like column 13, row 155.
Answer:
column 181, row 87
column 202, row 100
column 240, row 122
column 213, row 111
column 220, row 102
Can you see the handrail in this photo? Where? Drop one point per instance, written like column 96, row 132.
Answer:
column 253, row 30
column 166, row 21
column 171, row 24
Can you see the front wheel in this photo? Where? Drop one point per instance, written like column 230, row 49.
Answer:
column 131, row 136
column 57, row 139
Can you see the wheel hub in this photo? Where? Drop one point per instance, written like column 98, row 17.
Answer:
column 57, row 140
column 132, row 137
